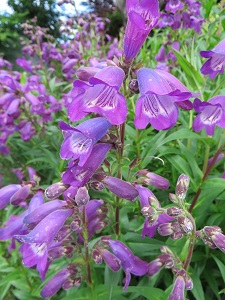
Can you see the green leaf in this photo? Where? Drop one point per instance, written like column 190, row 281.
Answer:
column 221, row 266
column 182, row 133
column 197, row 290
column 193, row 75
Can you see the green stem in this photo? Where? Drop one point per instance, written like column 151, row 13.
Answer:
column 192, row 242
column 206, row 159
column 85, row 236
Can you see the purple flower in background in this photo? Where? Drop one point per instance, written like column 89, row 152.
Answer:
column 216, row 62
column 174, row 6
column 161, row 93
column 130, row 263
column 166, row 20
column 25, row 64
column 211, row 113
column 79, row 140
column 142, row 17
column 161, row 55
column 101, row 95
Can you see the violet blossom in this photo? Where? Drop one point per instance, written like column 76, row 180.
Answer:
column 142, row 17
column 174, row 6
column 161, row 94
column 130, row 263
column 216, row 60
column 101, row 95
column 79, row 140
column 210, row 114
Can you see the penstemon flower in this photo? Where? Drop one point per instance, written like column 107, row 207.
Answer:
column 161, row 94
column 101, row 95
column 142, row 17
column 211, row 114
column 216, row 62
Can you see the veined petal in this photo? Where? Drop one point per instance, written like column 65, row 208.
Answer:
column 160, row 111
column 161, row 83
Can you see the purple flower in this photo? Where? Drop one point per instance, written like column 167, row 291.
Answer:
column 78, row 176
column 174, row 6
column 178, row 289
column 47, row 228
column 216, row 62
column 120, row 188
column 166, row 20
column 101, row 95
column 34, row 217
column 211, row 113
column 7, row 192
column 79, row 140
column 161, row 56
column 142, row 17
column 25, row 64
column 54, row 284
column 130, row 263
column 161, row 93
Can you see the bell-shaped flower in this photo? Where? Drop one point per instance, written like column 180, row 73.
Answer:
column 130, row 263
column 210, row 114
column 161, row 94
column 79, row 140
column 174, row 6
column 78, row 176
column 47, row 228
column 216, row 62
column 100, row 95
column 142, row 17
column 120, row 188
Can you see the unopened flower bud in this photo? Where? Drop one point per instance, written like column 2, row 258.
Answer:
column 97, row 186
column 148, row 211
column 75, row 225
column 182, row 186
column 55, row 190
column 77, row 281
column 133, row 86
column 165, row 229
column 185, row 224
column 96, row 256
column 153, row 179
column 68, row 284
column 173, row 211
column 188, row 283
column 82, row 197
column 173, row 198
